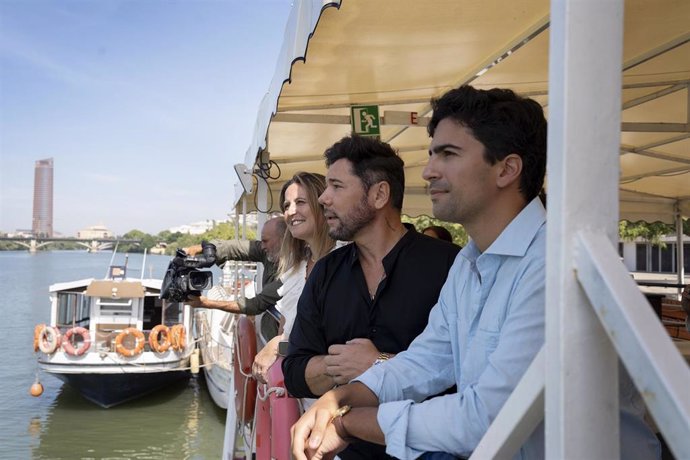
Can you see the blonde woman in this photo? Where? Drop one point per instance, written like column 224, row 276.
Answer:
column 305, row 242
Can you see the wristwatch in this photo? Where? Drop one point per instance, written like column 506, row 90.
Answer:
column 382, row 358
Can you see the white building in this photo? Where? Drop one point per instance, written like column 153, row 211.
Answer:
column 95, row 232
column 195, row 228
column 642, row 256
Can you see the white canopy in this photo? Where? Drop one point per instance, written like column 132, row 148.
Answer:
column 398, row 54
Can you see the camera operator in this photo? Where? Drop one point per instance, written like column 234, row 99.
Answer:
column 266, row 251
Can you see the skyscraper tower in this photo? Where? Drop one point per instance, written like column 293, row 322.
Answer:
column 42, row 224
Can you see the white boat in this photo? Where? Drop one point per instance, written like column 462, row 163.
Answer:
column 216, row 334
column 214, row 329
column 228, row 343
column 114, row 339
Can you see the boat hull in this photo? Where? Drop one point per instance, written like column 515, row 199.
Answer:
column 214, row 330
column 218, row 383
column 108, row 390
column 108, row 381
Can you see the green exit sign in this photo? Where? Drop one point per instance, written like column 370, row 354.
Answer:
column 365, row 120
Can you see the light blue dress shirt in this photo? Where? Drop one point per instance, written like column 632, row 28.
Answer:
column 482, row 335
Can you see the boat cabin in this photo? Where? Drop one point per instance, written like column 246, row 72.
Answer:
column 107, row 307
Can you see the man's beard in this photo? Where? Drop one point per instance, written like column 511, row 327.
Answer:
column 353, row 222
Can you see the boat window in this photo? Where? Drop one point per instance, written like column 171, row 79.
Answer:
column 173, row 313
column 73, row 308
column 152, row 312
column 115, row 307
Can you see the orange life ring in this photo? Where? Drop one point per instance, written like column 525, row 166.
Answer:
column 37, row 335
column 164, row 332
column 178, row 337
column 49, row 339
column 245, row 385
column 121, row 349
column 83, row 347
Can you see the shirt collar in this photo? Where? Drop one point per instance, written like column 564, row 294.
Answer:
column 389, row 258
column 516, row 238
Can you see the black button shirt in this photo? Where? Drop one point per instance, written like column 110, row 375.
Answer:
column 335, row 306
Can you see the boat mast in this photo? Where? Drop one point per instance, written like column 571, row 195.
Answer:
column 107, row 273
column 143, row 265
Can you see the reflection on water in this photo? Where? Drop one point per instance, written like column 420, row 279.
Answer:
column 172, row 423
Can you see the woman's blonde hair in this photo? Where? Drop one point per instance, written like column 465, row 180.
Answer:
column 293, row 251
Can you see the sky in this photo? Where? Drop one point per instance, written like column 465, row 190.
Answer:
column 144, row 106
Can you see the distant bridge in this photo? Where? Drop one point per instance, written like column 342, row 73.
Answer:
column 91, row 244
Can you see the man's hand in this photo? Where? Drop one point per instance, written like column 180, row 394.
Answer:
column 193, row 250
column 313, row 436
column 331, row 445
column 345, row 362
column 196, row 301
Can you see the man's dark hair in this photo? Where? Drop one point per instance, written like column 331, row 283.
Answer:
column 505, row 123
column 442, row 233
column 372, row 161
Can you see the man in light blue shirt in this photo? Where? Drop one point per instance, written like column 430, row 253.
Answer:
column 486, row 167
column 483, row 347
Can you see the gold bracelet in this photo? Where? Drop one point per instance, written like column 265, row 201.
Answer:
column 342, row 410
column 337, row 421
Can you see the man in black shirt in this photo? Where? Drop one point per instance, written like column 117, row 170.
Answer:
column 367, row 301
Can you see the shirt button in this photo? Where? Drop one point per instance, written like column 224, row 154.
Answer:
column 373, row 330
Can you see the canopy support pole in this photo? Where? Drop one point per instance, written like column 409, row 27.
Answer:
column 581, row 396
column 680, row 256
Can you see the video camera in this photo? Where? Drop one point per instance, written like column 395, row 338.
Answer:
column 182, row 278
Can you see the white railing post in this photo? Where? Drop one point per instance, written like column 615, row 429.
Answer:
column 660, row 373
column 680, row 260
column 581, row 400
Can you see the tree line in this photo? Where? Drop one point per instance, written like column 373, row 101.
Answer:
column 628, row 231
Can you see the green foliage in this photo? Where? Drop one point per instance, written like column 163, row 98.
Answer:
column 53, row 246
column 226, row 231
column 221, row 231
column 147, row 242
column 166, row 236
column 420, row 223
column 184, row 240
column 10, row 246
column 652, row 232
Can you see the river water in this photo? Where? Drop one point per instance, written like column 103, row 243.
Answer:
column 178, row 422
